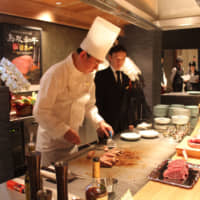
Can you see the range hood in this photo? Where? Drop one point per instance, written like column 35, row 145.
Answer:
column 125, row 11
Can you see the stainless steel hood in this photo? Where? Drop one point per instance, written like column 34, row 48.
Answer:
column 157, row 14
column 123, row 9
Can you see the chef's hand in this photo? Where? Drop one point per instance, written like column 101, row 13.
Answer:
column 72, row 136
column 104, row 129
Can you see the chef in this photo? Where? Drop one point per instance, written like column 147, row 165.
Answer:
column 67, row 95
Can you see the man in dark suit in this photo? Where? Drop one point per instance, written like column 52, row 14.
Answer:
column 111, row 85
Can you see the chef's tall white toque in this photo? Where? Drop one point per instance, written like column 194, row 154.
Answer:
column 100, row 38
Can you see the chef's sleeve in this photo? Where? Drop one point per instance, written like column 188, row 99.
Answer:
column 46, row 100
column 91, row 109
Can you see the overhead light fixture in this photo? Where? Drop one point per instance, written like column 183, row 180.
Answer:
column 45, row 16
column 114, row 8
column 58, row 3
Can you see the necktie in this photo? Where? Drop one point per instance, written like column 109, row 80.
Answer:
column 118, row 78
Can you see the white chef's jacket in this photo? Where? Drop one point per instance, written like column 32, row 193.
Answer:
column 66, row 95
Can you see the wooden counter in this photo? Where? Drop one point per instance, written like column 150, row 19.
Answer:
column 159, row 191
column 180, row 98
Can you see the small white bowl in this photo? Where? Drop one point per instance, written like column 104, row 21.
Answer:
column 180, row 119
column 144, row 125
column 162, row 120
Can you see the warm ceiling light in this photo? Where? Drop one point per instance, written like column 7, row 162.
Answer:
column 46, row 16
column 58, row 3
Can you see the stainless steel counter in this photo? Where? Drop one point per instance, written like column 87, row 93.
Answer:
column 151, row 152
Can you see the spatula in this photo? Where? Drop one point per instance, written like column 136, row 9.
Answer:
column 110, row 143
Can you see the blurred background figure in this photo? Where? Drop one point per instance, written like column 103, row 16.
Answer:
column 163, row 77
column 176, row 75
column 193, row 82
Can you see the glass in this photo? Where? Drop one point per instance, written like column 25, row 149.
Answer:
column 96, row 190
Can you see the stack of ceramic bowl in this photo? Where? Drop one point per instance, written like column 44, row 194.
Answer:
column 160, row 110
column 178, row 111
column 194, row 110
column 161, row 123
column 180, row 119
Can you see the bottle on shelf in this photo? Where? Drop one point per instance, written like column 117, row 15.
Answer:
column 96, row 190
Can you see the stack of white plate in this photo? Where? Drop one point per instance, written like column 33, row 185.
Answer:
column 177, row 105
column 194, row 109
column 193, row 122
column 161, row 123
column 178, row 111
column 160, row 110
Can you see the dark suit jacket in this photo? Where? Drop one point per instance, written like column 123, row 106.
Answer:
column 109, row 98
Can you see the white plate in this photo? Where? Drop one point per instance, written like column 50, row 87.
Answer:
column 194, row 92
column 130, row 136
column 149, row 133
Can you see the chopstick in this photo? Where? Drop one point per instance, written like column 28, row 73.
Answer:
column 185, row 155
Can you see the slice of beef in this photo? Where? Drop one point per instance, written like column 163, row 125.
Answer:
column 176, row 170
column 177, row 162
column 175, row 174
column 106, row 161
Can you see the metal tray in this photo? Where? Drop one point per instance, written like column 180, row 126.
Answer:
column 194, row 173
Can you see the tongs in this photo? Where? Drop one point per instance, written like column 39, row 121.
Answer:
column 110, row 142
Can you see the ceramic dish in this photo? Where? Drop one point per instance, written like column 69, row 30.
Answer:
column 144, row 125
column 162, row 120
column 180, row 119
column 130, row 136
column 161, row 126
column 149, row 133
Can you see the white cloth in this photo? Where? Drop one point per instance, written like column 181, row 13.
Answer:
column 131, row 69
column 66, row 95
column 173, row 73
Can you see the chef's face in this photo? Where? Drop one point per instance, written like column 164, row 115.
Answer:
column 90, row 63
column 117, row 59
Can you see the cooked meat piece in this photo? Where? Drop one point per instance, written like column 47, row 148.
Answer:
column 115, row 151
column 106, row 148
column 108, row 154
column 106, row 161
column 90, row 154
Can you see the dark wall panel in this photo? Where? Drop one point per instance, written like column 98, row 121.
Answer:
column 181, row 39
column 144, row 47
